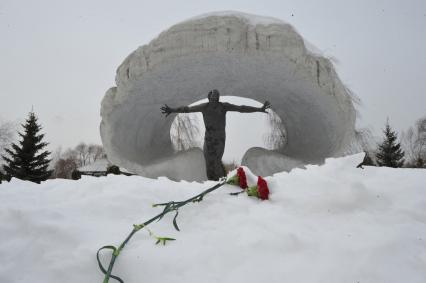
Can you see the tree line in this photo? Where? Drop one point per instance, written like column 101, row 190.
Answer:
column 27, row 159
column 408, row 152
column 66, row 162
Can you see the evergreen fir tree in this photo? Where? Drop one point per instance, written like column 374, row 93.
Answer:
column 23, row 161
column 390, row 153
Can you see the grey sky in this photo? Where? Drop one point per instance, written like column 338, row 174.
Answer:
column 61, row 56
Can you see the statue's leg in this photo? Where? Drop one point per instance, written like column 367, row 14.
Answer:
column 220, row 168
column 213, row 152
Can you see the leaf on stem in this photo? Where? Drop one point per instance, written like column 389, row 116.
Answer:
column 164, row 240
column 165, row 210
column 174, row 220
column 137, row 227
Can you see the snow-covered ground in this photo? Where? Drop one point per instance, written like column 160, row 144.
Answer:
column 330, row 223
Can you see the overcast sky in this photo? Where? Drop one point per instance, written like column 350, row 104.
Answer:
column 61, row 56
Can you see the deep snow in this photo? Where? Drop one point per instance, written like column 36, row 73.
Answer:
column 330, row 223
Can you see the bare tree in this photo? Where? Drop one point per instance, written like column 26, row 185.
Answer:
column 96, row 152
column 65, row 162
column 64, row 168
column 185, row 134
column 91, row 151
column 277, row 137
column 7, row 134
column 414, row 141
column 70, row 153
column 83, row 153
column 100, row 153
column 55, row 156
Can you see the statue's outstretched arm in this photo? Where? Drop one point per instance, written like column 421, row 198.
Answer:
column 182, row 109
column 246, row 109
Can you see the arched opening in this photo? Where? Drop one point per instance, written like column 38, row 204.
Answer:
column 243, row 130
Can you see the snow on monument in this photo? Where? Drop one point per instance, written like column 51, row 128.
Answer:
column 240, row 55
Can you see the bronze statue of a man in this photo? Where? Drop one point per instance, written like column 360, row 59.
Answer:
column 214, row 116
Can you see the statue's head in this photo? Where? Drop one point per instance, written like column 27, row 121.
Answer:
column 213, row 95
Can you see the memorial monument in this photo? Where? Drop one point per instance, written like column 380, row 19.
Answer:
column 255, row 57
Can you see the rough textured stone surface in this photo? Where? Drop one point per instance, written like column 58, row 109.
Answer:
column 240, row 55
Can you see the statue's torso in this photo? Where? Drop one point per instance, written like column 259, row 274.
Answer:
column 214, row 116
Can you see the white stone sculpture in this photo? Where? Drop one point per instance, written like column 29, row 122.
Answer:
column 240, row 55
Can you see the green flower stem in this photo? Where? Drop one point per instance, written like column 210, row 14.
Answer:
column 235, row 180
column 168, row 207
column 253, row 191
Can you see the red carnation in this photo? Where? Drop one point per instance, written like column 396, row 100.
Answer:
column 262, row 188
column 238, row 179
column 242, row 178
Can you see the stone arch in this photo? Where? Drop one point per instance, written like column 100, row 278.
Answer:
column 240, row 55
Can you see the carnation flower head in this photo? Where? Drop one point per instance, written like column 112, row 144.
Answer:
column 262, row 188
column 239, row 179
column 242, row 178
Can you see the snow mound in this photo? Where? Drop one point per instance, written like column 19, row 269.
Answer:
column 328, row 223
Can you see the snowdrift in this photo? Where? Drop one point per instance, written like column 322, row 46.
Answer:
column 329, row 223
